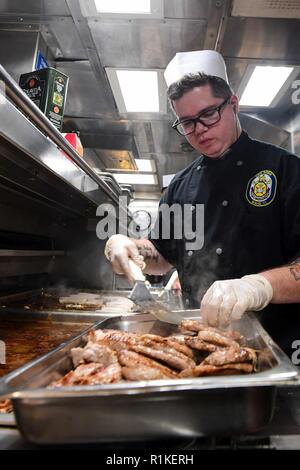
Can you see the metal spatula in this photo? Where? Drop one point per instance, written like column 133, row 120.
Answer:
column 141, row 296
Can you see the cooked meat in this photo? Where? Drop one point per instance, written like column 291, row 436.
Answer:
column 231, row 355
column 110, row 355
column 200, row 345
column 90, row 374
column 197, row 325
column 169, row 341
column 192, row 325
column 93, row 352
column 133, row 360
column 6, row 406
column 227, row 369
column 183, row 348
column 143, row 373
column 165, row 354
column 180, row 338
column 76, row 356
column 216, row 338
column 115, row 339
column 81, row 300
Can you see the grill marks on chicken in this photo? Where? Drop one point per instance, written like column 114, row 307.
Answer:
column 91, row 374
column 196, row 326
column 93, row 352
column 231, row 355
column 203, row 370
column 111, row 356
column 115, row 339
column 177, row 343
column 138, row 367
column 200, row 345
column 226, row 356
column 217, row 339
column 94, row 364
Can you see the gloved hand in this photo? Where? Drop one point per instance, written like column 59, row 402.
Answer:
column 226, row 301
column 118, row 250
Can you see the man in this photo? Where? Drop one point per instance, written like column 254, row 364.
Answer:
column 251, row 196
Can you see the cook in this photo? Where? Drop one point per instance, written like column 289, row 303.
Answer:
column 250, row 191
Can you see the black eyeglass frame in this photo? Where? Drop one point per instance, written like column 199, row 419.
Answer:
column 197, row 119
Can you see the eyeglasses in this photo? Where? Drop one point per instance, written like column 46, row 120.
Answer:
column 207, row 118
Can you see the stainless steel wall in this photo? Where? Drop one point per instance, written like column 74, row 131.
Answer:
column 18, row 51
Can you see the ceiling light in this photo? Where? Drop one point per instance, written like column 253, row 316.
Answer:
column 122, row 6
column 123, row 9
column 264, row 84
column 147, row 166
column 138, row 91
column 131, row 178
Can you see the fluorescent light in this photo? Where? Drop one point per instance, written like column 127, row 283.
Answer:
column 140, row 90
column 147, row 166
column 123, row 6
column 264, row 84
column 129, row 178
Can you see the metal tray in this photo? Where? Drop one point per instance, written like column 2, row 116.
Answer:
column 29, row 335
column 146, row 410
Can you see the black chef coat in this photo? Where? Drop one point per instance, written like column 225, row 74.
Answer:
column 251, row 199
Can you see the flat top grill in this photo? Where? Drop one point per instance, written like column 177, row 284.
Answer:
column 49, row 300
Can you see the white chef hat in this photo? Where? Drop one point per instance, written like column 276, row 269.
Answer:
column 166, row 180
column 208, row 62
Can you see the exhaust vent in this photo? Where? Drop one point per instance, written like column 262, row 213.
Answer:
column 117, row 159
column 266, row 8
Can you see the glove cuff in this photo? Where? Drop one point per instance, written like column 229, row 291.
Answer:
column 262, row 284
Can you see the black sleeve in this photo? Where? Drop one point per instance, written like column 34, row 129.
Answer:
column 167, row 247
column 290, row 206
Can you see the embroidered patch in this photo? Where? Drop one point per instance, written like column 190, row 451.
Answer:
column 261, row 189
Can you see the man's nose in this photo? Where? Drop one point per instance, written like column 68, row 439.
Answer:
column 199, row 127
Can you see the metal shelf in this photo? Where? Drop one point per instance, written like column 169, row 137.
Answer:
column 48, row 158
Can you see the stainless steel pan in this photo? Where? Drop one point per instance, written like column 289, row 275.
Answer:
column 146, row 410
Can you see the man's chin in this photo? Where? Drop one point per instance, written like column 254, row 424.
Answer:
column 213, row 152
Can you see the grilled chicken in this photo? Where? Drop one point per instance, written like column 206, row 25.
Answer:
column 136, row 365
column 228, row 369
column 172, row 342
column 231, row 355
column 143, row 373
column 216, row 338
column 93, row 352
column 6, row 406
column 90, row 374
column 197, row 325
column 115, row 339
column 113, row 355
column 163, row 353
column 200, row 345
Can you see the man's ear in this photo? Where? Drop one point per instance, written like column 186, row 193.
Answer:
column 235, row 104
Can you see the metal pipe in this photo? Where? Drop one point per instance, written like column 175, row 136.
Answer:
column 24, row 103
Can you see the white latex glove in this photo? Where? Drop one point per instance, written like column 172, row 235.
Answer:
column 119, row 249
column 226, row 301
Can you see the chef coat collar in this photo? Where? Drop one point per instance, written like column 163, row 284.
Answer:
column 236, row 148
